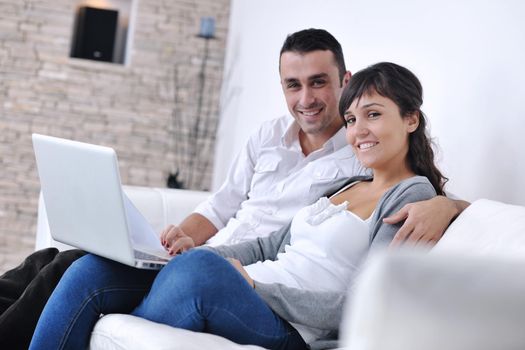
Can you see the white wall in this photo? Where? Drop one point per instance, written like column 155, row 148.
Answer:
column 469, row 55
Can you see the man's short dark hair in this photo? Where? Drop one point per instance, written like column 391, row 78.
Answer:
column 312, row 39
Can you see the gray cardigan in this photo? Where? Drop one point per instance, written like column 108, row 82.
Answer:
column 321, row 309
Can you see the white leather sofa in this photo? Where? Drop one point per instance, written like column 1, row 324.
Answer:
column 466, row 293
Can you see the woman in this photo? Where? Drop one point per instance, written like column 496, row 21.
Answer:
column 286, row 290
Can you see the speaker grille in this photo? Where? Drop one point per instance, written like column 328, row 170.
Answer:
column 95, row 31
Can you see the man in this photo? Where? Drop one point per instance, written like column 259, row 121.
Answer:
column 289, row 163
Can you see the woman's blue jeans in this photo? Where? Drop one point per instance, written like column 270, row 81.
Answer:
column 198, row 291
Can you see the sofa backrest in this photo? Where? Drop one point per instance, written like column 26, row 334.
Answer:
column 486, row 228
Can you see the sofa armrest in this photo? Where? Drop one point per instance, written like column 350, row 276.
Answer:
column 160, row 206
column 415, row 300
column 465, row 293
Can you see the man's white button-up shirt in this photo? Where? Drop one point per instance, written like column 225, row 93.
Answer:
column 271, row 179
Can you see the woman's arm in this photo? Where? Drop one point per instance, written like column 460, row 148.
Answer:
column 259, row 249
column 409, row 191
column 318, row 309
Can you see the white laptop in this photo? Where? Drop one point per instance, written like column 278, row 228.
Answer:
column 86, row 206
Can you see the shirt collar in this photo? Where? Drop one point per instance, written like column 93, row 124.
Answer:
column 291, row 138
column 291, row 135
column 339, row 139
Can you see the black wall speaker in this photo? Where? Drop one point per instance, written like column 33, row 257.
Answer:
column 95, row 31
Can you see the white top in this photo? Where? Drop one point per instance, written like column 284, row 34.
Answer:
column 271, row 179
column 327, row 244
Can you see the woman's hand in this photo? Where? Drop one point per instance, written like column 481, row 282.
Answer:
column 237, row 264
column 175, row 240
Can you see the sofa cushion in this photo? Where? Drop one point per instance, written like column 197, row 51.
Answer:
column 128, row 332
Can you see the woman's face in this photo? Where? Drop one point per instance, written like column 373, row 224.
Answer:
column 377, row 132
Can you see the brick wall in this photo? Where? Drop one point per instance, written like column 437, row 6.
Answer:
column 146, row 109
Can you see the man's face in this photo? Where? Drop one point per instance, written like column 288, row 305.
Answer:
column 312, row 88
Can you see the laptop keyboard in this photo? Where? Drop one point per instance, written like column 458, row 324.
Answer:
column 146, row 256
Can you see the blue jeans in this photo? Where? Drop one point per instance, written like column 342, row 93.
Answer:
column 198, row 291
